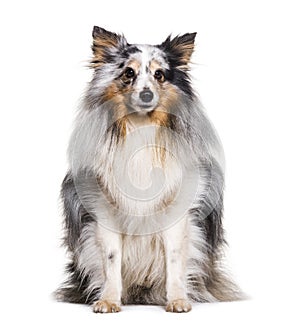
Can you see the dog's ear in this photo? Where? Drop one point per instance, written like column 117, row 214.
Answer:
column 106, row 44
column 179, row 49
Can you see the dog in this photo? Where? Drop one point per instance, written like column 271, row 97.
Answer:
column 143, row 197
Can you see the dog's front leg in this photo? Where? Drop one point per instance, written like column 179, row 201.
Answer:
column 175, row 244
column 111, row 246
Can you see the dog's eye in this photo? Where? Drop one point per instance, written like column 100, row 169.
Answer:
column 159, row 75
column 129, row 73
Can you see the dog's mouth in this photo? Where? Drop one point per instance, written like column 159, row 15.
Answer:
column 142, row 108
column 146, row 106
column 145, row 109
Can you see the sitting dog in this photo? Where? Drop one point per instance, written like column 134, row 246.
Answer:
column 143, row 197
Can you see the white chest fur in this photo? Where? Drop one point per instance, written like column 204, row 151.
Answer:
column 143, row 174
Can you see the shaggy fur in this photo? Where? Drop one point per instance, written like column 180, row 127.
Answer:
column 143, row 198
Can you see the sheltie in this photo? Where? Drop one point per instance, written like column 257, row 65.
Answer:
column 143, row 196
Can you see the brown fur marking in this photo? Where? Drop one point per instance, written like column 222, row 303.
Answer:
column 99, row 45
column 114, row 94
column 187, row 50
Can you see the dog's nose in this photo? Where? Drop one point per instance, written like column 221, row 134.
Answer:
column 146, row 96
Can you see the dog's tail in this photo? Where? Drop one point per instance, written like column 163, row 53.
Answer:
column 76, row 288
column 216, row 288
column 222, row 287
column 215, row 285
column 68, row 294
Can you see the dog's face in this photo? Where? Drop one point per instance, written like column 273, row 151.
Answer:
column 141, row 77
column 144, row 78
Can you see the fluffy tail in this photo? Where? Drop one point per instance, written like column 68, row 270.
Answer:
column 220, row 285
column 75, row 289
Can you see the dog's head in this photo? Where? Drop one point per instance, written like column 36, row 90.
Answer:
column 140, row 77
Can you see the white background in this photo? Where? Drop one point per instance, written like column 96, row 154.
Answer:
column 247, row 72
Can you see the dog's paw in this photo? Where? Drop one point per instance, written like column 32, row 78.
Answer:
column 103, row 306
column 179, row 306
